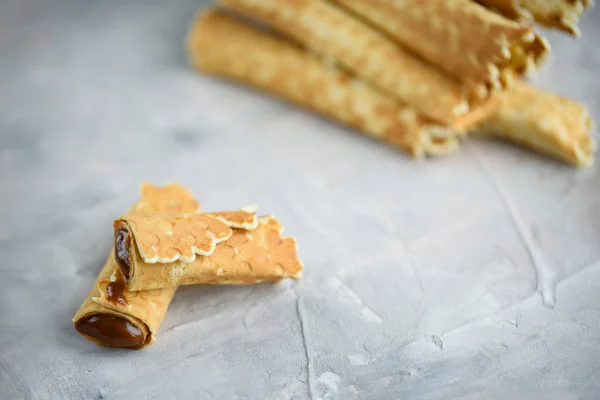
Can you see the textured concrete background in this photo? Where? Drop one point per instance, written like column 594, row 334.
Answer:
column 419, row 277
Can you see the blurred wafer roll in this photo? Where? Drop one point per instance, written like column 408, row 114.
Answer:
column 482, row 49
column 544, row 122
column 235, row 247
column 219, row 44
column 112, row 315
column 370, row 55
column 560, row 14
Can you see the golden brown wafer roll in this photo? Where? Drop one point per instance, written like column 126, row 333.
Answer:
column 544, row 122
column 213, row 248
column 480, row 48
column 560, row 14
column 331, row 32
column 220, row 45
column 112, row 315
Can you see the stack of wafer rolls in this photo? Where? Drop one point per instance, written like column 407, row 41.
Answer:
column 483, row 50
column 218, row 43
column 368, row 54
column 559, row 14
column 164, row 242
column 222, row 45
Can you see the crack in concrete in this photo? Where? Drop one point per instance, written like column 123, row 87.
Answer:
column 546, row 276
column 300, row 315
column 246, row 312
column 406, row 254
column 515, row 304
column 368, row 312
column 490, row 315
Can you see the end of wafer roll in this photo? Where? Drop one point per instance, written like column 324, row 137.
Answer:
column 544, row 122
column 111, row 318
column 530, row 55
column 559, row 14
column 284, row 249
column 112, row 315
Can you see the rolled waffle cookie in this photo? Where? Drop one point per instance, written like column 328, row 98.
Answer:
column 331, row 32
column 113, row 316
column 560, row 14
column 220, row 45
column 479, row 47
column 544, row 122
column 214, row 248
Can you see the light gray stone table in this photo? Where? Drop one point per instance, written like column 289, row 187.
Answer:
column 421, row 277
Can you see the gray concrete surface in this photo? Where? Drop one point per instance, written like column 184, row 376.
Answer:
column 419, row 278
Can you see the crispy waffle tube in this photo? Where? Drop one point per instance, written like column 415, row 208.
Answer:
column 560, row 14
column 223, row 46
column 480, row 48
column 544, row 122
column 115, row 317
column 214, row 248
column 331, row 32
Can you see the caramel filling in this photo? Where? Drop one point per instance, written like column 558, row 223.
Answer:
column 122, row 243
column 111, row 330
column 114, row 292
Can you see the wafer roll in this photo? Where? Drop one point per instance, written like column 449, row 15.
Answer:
column 480, row 48
column 113, row 316
column 560, row 14
column 544, row 122
column 329, row 31
column 214, row 248
column 220, row 45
